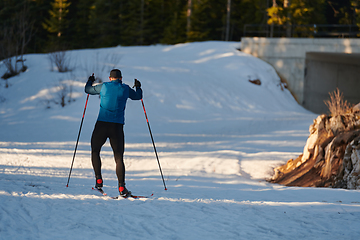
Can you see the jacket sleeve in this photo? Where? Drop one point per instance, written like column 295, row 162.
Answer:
column 92, row 90
column 135, row 95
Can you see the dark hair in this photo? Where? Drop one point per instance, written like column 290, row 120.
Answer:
column 115, row 73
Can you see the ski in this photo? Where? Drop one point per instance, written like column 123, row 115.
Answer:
column 119, row 197
column 132, row 196
column 100, row 191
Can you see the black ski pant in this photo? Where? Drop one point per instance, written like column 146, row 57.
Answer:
column 115, row 133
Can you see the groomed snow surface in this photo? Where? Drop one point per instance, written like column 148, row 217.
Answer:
column 218, row 138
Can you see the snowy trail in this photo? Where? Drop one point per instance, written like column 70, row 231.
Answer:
column 200, row 203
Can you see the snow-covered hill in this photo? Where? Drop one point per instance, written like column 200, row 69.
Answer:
column 218, row 138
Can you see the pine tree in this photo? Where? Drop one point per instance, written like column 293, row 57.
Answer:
column 298, row 13
column 356, row 6
column 208, row 20
column 175, row 29
column 157, row 16
column 247, row 12
column 77, row 34
column 105, row 26
column 57, row 22
column 133, row 21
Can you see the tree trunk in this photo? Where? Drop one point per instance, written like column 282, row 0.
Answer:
column 188, row 19
column 228, row 10
column 287, row 4
column 142, row 23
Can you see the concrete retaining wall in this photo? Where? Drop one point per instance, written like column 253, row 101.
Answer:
column 326, row 72
column 287, row 56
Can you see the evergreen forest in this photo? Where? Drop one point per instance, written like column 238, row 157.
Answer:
column 39, row 26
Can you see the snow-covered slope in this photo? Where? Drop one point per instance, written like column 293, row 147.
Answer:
column 218, row 137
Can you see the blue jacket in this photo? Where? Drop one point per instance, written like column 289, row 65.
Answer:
column 113, row 97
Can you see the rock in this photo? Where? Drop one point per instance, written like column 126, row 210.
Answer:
column 331, row 156
column 317, row 134
column 351, row 165
column 256, row 81
column 356, row 108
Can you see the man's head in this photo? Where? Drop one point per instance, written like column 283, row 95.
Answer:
column 115, row 74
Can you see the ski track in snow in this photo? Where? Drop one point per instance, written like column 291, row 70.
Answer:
column 218, row 138
column 198, row 204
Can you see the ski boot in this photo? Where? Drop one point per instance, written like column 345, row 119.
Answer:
column 123, row 191
column 99, row 184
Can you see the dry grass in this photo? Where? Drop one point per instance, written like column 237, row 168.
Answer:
column 337, row 105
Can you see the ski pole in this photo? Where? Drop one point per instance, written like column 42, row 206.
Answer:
column 77, row 141
column 152, row 139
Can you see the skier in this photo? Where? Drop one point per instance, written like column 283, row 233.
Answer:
column 110, row 123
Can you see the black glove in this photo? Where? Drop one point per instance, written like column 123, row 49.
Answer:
column 137, row 83
column 91, row 78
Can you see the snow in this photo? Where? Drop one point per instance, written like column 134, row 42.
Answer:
column 218, row 137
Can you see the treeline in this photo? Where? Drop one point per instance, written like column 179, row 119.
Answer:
column 49, row 25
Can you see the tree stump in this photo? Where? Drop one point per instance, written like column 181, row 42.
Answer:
column 331, row 156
